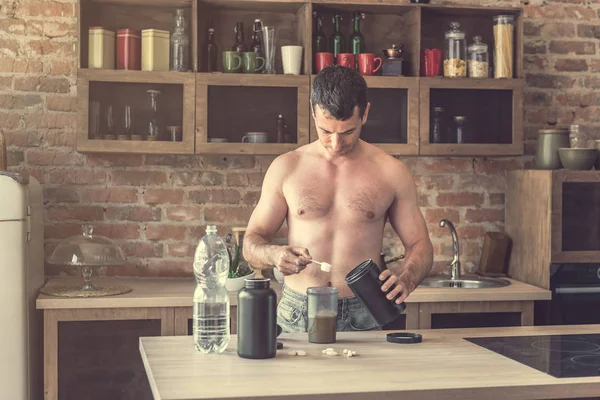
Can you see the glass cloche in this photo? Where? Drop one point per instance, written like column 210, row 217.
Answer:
column 87, row 251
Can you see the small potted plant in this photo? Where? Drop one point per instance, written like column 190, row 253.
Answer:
column 238, row 268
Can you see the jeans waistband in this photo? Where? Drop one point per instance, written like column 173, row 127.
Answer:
column 351, row 302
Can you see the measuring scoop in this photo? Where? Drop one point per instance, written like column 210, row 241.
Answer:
column 325, row 267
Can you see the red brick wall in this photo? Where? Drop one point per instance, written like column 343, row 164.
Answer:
column 156, row 207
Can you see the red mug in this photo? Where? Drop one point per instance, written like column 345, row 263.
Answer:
column 366, row 63
column 431, row 60
column 323, row 60
column 346, row 60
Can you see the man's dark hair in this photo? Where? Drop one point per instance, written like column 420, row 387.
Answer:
column 338, row 90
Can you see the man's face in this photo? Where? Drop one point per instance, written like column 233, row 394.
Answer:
column 338, row 137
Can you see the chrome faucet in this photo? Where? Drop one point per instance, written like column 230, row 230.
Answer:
column 455, row 264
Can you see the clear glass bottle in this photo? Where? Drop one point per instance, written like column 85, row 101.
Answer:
column 337, row 44
column 577, row 139
column 478, row 59
column 503, row 46
column 154, row 125
column 455, row 55
column 437, row 125
column 357, row 39
column 180, row 44
column 460, row 125
column 211, row 300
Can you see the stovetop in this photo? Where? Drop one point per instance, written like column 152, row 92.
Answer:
column 561, row 356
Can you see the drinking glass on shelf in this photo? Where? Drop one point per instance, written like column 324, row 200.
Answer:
column 153, row 128
column 95, row 120
column 110, row 124
column 269, row 38
column 127, row 120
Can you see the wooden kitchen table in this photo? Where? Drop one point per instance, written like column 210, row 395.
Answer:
column 443, row 366
column 170, row 301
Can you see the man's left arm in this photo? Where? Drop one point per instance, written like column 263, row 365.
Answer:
column 407, row 220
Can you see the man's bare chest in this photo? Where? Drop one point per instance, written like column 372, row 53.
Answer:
column 352, row 196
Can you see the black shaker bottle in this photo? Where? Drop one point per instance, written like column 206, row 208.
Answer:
column 257, row 320
column 366, row 286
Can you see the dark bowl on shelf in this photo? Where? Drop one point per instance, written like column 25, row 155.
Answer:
column 578, row 159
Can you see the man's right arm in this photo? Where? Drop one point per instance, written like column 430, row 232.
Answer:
column 266, row 219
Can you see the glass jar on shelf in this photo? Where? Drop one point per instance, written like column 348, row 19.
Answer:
column 478, row 59
column 503, row 46
column 455, row 57
column 460, row 129
column 437, row 125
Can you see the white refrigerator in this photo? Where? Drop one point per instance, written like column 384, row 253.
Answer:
column 21, row 277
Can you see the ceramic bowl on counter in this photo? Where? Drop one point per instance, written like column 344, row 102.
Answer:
column 236, row 284
column 578, row 159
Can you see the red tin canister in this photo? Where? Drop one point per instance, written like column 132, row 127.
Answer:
column 129, row 49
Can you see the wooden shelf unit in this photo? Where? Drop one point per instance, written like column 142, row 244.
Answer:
column 415, row 26
column 494, row 111
column 135, row 14
column 385, row 92
column 180, row 83
column 276, row 93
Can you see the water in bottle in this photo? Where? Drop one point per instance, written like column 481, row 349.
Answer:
column 211, row 299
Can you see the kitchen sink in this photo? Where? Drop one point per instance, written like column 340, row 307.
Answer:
column 465, row 282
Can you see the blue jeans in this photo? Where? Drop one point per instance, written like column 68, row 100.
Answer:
column 292, row 313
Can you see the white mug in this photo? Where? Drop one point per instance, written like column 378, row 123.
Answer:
column 291, row 57
column 255, row 137
column 219, row 140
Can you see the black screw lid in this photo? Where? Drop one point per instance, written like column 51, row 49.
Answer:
column 257, row 283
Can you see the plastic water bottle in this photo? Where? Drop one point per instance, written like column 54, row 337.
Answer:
column 211, row 299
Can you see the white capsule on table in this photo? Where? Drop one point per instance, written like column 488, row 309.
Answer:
column 292, row 353
column 332, row 353
column 345, row 351
column 301, row 353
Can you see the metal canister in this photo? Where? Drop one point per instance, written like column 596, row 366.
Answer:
column 155, row 50
column 101, row 48
column 549, row 141
column 129, row 49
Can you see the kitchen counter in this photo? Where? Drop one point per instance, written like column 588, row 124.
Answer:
column 169, row 300
column 443, row 366
column 177, row 292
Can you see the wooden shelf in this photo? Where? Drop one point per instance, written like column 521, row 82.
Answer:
column 257, row 99
column 399, row 119
column 392, row 124
column 494, row 112
column 138, row 15
column 104, row 86
column 125, row 76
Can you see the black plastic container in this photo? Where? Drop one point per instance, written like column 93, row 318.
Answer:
column 366, row 286
column 257, row 320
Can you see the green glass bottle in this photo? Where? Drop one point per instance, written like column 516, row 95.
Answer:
column 320, row 41
column 357, row 39
column 337, row 39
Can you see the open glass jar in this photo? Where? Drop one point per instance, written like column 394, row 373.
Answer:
column 478, row 59
column 455, row 57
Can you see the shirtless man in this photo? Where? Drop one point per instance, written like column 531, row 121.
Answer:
column 337, row 194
